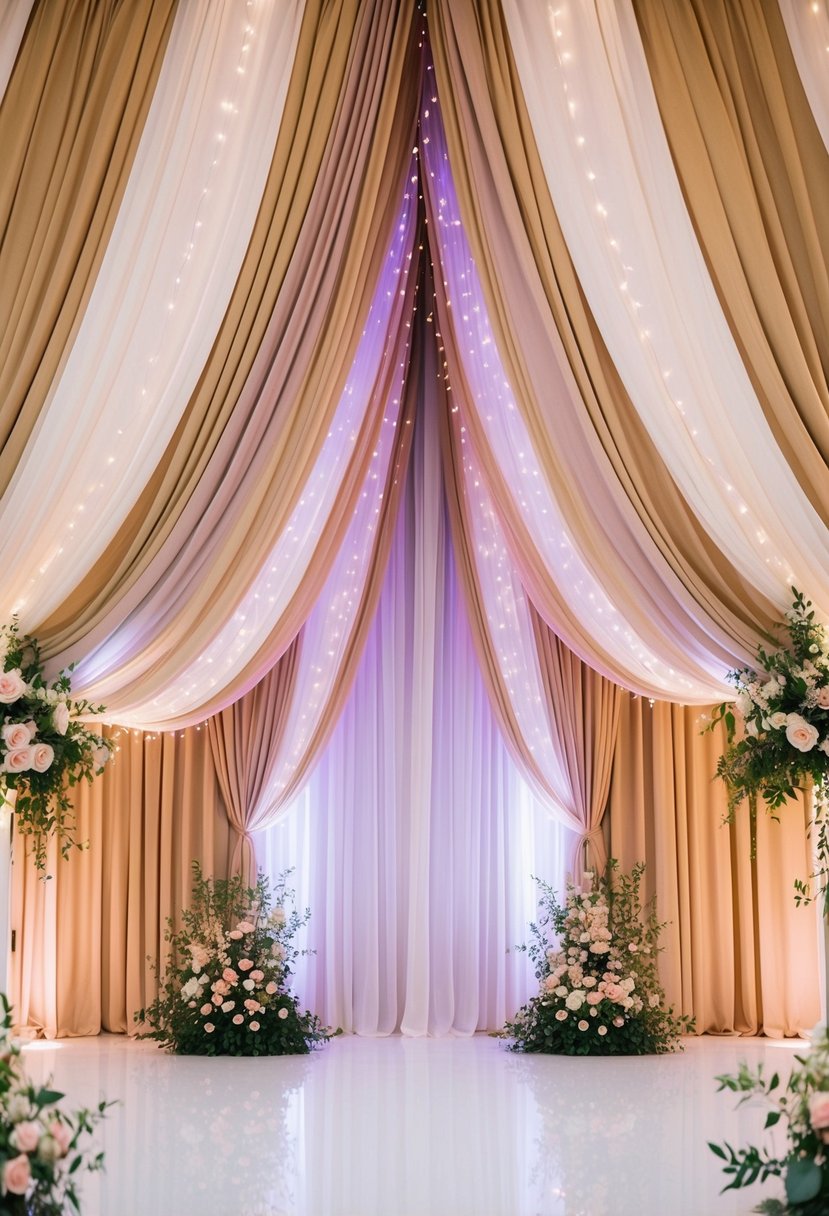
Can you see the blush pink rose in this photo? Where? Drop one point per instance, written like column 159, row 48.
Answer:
column 205, row 1010
column 42, row 756
column 253, row 1026
column 62, row 1134
column 217, row 998
column 819, row 1110
column 26, row 1136
column 257, row 975
column 17, row 734
column 209, row 1027
column 238, row 1018
column 245, row 926
column 230, row 975
column 245, row 964
column 12, row 686
column 19, row 760
column 283, row 1013
column 593, row 998
column 222, row 987
column 270, row 988
column 251, row 1005
column 17, row 1175
column 235, row 935
column 800, row 733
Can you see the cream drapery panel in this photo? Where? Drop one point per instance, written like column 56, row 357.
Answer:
column 13, row 20
column 807, row 26
column 83, row 938
column 755, row 174
column 70, row 122
column 633, row 527
column 739, row 955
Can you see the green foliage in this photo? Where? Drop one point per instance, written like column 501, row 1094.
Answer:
column 44, row 749
column 778, row 729
column 804, row 1107
column 41, row 1153
column 595, row 958
column 224, row 988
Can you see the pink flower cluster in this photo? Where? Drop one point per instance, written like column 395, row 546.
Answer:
column 589, row 974
column 242, row 991
column 23, row 752
column 46, row 1139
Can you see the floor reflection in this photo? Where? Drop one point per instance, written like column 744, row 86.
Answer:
column 409, row 1127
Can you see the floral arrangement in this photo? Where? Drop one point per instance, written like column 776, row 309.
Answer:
column 777, row 727
column 224, row 989
column 43, row 748
column 40, row 1157
column 599, row 988
column 804, row 1105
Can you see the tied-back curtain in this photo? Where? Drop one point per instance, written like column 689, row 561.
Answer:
column 85, row 937
column 559, row 716
column 584, row 709
column 611, row 552
column 739, row 956
column 70, row 123
column 243, row 741
column 755, row 175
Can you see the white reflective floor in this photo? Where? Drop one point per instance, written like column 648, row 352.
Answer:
column 410, row 1127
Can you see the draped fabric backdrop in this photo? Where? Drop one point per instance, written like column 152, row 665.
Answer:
column 247, row 252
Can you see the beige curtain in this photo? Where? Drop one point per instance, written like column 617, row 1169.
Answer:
column 70, row 122
column 80, row 964
column 739, row 956
column 244, row 740
column 755, row 174
column 657, row 563
column 245, row 447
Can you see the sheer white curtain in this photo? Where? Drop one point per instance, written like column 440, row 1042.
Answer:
column 807, row 25
column 415, row 839
column 611, row 178
column 159, row 297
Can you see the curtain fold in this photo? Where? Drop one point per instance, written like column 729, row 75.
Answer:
column 754, row 171
column 243, row 740
column 83, row 938
column 13, row 21
column 70, row 123
column 739, row 956
column 560, row 419
column 807, row 26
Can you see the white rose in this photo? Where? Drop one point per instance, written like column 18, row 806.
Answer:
column 800, row 733
column 823, row 746
column 49, row 1150
column 248, row 985
column 743, row 703
column 575, row 1000
column 779, row 720
column 751, row 728
column 17, row 1107
column 561, row 990
column 771, row 689
column 60, row 717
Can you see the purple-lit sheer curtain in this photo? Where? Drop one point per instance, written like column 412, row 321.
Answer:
column 415, row 838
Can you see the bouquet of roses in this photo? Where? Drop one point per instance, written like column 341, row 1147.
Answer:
column 224, row 989
column 599, row 989
column 40, row 1157
column 43, row 747
column 804, row 1105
